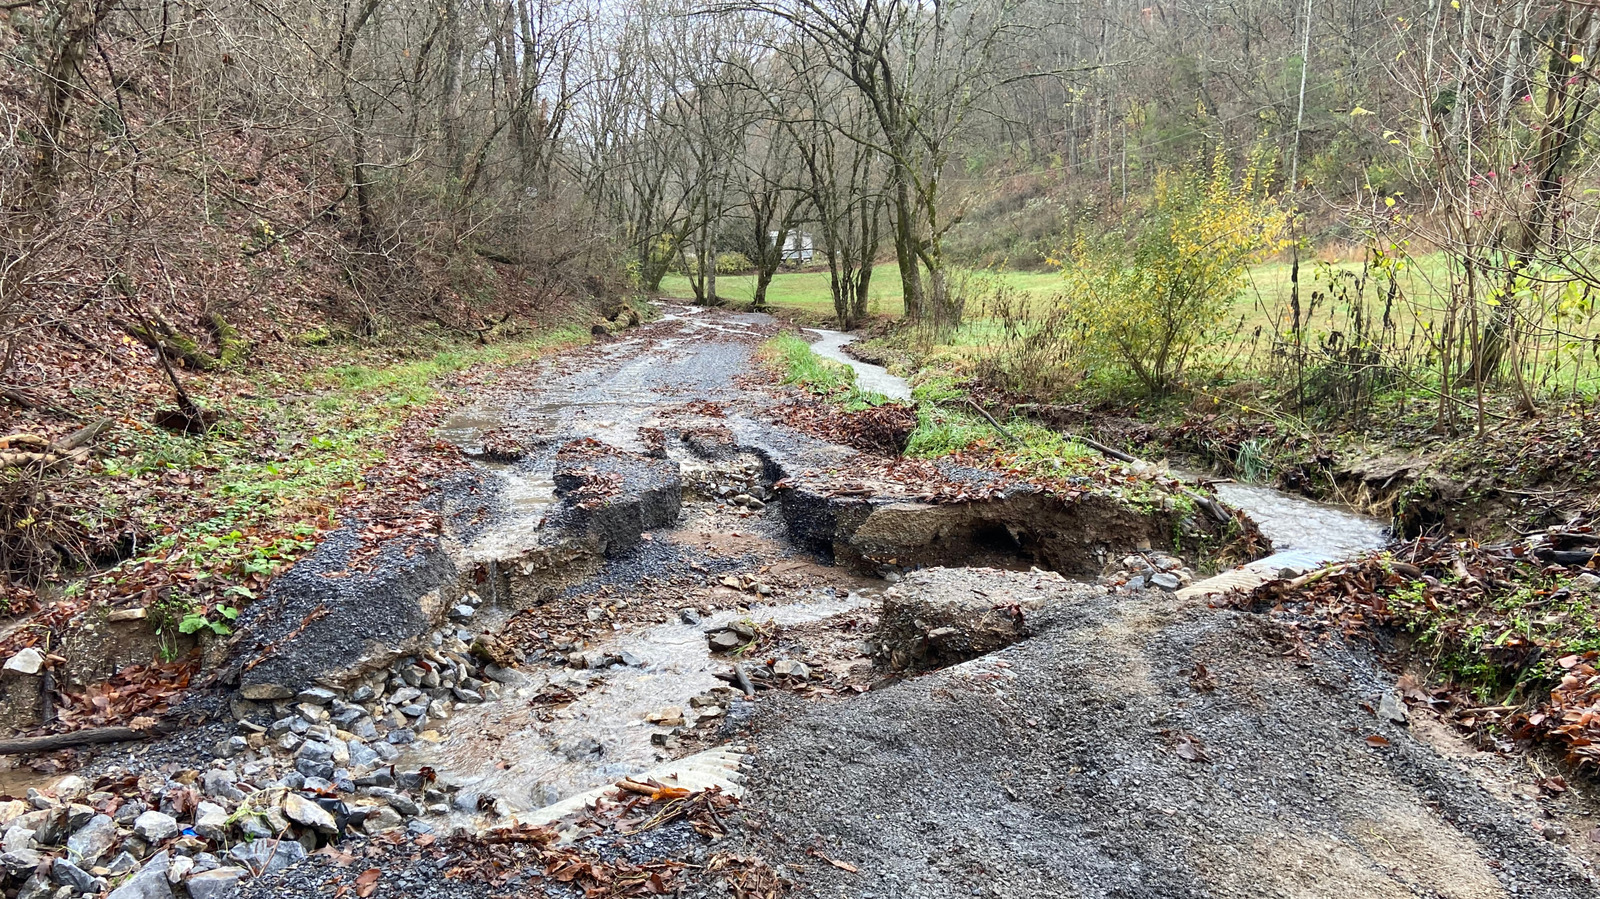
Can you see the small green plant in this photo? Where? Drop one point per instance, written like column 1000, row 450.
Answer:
column 198, row 620
column 1252, row 463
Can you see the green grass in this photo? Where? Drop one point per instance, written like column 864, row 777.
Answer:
column 274, row 473
column 796, row 364
column 1266, row 294
column 799, row 366
column 811, row 291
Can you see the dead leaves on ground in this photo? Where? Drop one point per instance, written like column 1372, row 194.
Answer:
column 748, row 877
column 1186, row 746
column 135, row 694
column 507, row 855
column 882, row 430
column 1508, row 607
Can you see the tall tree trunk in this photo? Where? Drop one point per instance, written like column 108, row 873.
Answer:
column 905, row 245
column 450, row 115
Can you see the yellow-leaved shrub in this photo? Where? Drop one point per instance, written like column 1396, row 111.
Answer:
column 1144, row 296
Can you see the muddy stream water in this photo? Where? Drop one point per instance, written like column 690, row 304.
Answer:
column 528, row 753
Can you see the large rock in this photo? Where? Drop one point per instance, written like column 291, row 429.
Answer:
column 50, row 826
column 267, row 856
column 93, row 840
column 150, row 883
column 65, row 873
column 11, row 810
column 943, row 616
column 217, row 884
column 156, row 827
column 18, row 862
column 26, row 661
column 211, row 821
column 307, row 813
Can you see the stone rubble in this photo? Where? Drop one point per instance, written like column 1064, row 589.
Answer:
column 734, row 483
column 304, row 770
column 1151, row 570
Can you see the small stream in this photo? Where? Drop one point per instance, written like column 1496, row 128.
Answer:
column 1303, row 533
column 1314, row 533
column 870, row 378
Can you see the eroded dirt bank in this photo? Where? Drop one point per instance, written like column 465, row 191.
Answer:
column 653, row 578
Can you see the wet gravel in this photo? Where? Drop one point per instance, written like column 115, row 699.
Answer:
column 1057, row 767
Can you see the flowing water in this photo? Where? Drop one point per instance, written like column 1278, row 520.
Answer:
column 1296, row 524
column 870, row 378
column 564, row 732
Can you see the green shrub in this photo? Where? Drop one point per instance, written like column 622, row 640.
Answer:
column 1144, row 296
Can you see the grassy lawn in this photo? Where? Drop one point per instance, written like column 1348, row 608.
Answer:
column 810, row 290
column 1268, row 289
column 1328, row 301
column 799, row 290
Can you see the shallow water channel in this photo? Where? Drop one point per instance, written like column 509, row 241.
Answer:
column 562, row 732
column 1303, row 532
column 870, row 378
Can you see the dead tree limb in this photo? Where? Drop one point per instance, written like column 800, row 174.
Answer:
column 91, row 736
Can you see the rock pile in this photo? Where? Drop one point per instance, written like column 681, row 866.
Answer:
column 1146, row 571
column 736, row 482
column 705, row 709
column 306, row 768
column 199, row 832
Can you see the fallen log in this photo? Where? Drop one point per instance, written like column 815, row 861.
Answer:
column 20, row 450
column 89, row 736
column 1102, row 449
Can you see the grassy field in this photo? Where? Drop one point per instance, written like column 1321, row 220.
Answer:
column 810, row 290
column 1267, row 291
column 1330, row 293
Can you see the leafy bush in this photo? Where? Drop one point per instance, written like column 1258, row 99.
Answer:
column 727, row 264
column 733, row 263
column 1145, row 295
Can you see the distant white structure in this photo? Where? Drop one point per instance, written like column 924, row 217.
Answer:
column 797, row 246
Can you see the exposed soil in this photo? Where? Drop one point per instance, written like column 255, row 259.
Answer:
column 1525, row 473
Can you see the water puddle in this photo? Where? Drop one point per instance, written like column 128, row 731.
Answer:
column 532, row 752
column 465, row 428
column 869, row 377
